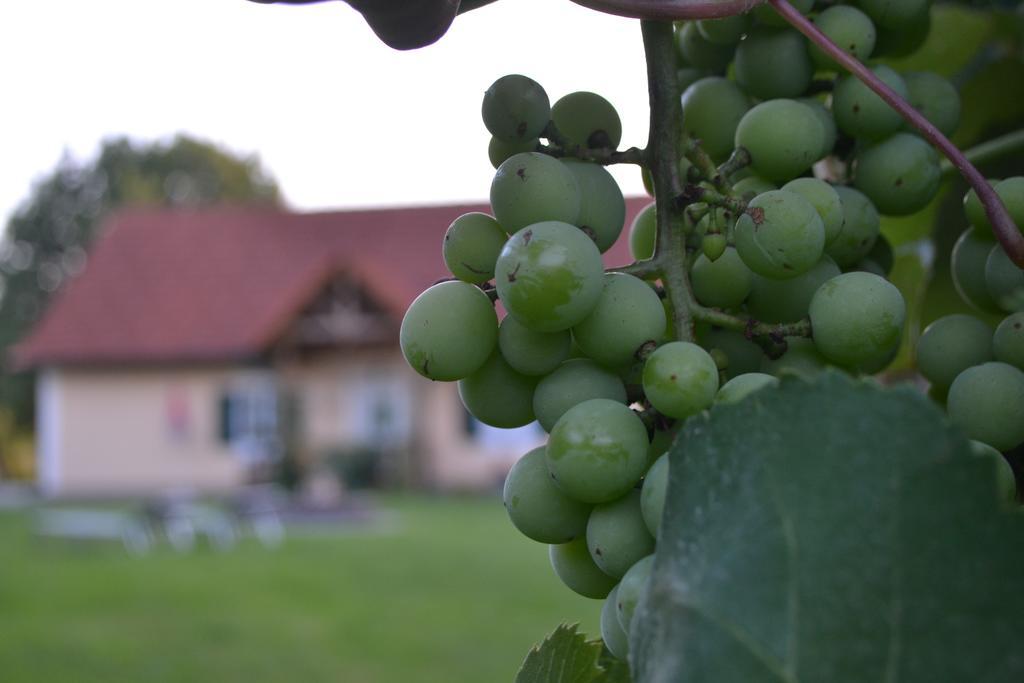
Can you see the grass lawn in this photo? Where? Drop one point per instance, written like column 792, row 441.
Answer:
column 451, row 592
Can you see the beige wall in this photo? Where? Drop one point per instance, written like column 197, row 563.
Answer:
column 112, row 432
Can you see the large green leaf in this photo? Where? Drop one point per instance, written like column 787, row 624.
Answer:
column 566, row 656
column 832, row 531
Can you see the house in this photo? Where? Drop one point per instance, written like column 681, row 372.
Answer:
column 200, row 347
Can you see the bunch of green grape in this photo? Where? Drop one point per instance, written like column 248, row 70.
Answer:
column 784, row 231
column 978, row 372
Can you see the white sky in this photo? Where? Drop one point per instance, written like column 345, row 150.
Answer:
column 336, row 116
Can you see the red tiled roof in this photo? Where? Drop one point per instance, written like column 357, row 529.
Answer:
column 223, row 283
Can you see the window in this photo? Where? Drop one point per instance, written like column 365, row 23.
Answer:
column 383, row 416
column 249, row 420
column 497, row 440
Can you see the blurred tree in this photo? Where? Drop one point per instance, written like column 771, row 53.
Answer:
column 47, row 238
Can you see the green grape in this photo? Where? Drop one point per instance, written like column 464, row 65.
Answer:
column 950, row 345
column 701, row 53
column 1006, row 481
column 724, row 31
column 614, row 637
column 987, row 402
column 881, row 253
column 900, row 175
column 741, row 386
column 712, row 108
column 680, row 379
column 652, row 495
column 537, row 507
column 772, row 63
column 627, row 318
column 631, row 589
column 498, row 150
column 828, row 123
column 860, row 112
column 549, row 276
column 516, row 108
column 780, row 235
column 767, row 15
column 861, row 226
column 575, row 381
column 850, row 29
column 801, row 358
column 617, row 536
column 532, row 187
column 574, row 566
column 751, row 186
column 588, row 120
column 1011, row 192
column 904, row 41
column 597, row 451
column 744, row 355
column 497, row 395
column 602, row 207
column 825, row 200
column 471, row 247
column 529, row 352
column 724, row 283
column 784, row 138
column 895, row 14
column 713, row 246
column 873, row 366
column 856, row 318
column 970, row 254
column 936, row 98
column 449, row 331
column 787, row 301
column 1008, row 342
column 1004, row 280
column 642, row 233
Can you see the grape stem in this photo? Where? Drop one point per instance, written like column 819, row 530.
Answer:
column 641, row 269
column 991, row 150
column 696, row 193
column 739, row 159
column 561, row 147
column 663, row 146
column 671, row 10
column 1002, row 225
column 705, row 166
column 749, row 327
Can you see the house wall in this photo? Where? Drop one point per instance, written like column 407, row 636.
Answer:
column 134, row 432
column 338, row 393
column 143, row 431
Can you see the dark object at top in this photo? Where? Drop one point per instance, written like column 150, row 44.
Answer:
column 407, row 24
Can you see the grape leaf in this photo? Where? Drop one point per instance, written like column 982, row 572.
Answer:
column 566, row 656
column 832, row 531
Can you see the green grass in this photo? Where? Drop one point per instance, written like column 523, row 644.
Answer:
column 450, row 592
